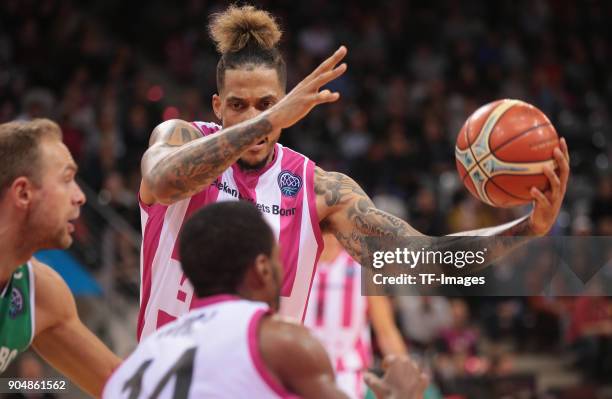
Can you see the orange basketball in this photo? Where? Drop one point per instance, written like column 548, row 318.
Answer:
column 501, row 150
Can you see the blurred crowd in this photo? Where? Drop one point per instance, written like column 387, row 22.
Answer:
column 467, row 342
column 110, row 71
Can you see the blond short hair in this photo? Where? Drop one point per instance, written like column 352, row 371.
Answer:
column 20, row 149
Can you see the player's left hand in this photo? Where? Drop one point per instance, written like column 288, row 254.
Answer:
column 548, row 204
column 403, row 379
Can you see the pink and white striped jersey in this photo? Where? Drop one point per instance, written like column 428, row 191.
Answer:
column 337, row 313
column 283, row 191
column 210, row 352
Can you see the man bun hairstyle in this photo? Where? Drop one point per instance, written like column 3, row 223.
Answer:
column 247, row 37
column 234, row 28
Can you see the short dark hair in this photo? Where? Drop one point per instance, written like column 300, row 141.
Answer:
column 220, row 242
column 20, row 149
column 247, row 37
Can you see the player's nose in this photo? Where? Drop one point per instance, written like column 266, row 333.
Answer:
column 79, row 197
column 251, row 112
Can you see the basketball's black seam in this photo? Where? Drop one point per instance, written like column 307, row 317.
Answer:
column 477, row 163
column 510, row 140
column 506, row 192
column 492, row 152
column 524, row 162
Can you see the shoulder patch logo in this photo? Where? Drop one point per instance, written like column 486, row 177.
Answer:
column 17, row 303
column 289, row 183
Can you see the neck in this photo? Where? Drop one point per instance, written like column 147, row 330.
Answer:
column 245, row 291
column 13, row 249
column 252, row 295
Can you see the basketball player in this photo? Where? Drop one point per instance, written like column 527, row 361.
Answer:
column 39, row 201
column 230, row 345
column 340, row 317
column 190, row 164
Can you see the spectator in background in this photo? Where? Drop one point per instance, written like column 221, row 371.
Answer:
column 466, row 213
column 590, row 336
column 423, row 319
column 37, row 103
column 544, row 319
column 355, row 142
column 425, row 216
column 460, row 354
column 460, row 338
column 601, row 207
column 403, row 159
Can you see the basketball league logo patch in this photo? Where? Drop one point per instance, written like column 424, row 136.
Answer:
column 16, row 305
column 289, row 183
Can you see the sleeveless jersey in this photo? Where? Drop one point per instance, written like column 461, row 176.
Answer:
column 284, row 193
column 16, row 315
column 210, row 352
column 337, row 313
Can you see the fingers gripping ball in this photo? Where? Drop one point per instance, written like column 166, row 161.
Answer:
column 501, row 150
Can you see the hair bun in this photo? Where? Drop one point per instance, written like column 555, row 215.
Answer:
column 234, row 28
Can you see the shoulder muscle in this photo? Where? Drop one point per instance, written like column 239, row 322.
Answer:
column 174, row 132
column 297, row 358
column 335, row 191
column 54, row 301
column 165, row 138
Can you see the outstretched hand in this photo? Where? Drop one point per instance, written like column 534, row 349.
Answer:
column 548, row 204
column 306, row 95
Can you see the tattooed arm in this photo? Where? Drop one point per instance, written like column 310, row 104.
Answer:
column 362, row 229
column 180, row 163
column 346, row 210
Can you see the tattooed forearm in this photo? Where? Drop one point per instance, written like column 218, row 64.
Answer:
column 183, row 163
column 355, row 221
column 363, row 229
column 523, row 228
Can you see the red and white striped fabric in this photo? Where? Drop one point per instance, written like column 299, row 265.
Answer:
column 283, row 191
column 337, row 315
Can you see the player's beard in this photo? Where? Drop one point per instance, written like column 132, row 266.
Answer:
column 246, row 166
column 252, row 167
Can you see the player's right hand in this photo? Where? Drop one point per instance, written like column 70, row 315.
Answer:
column 403, row 379
column 306, row 95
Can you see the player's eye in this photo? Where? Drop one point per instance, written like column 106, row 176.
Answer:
column 266, row 104
column 236, row 106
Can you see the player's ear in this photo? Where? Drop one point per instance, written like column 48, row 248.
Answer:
column 263, row 269
column 216, row 104
column 21, row 191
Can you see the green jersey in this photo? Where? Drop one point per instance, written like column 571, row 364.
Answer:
column 16, row 314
